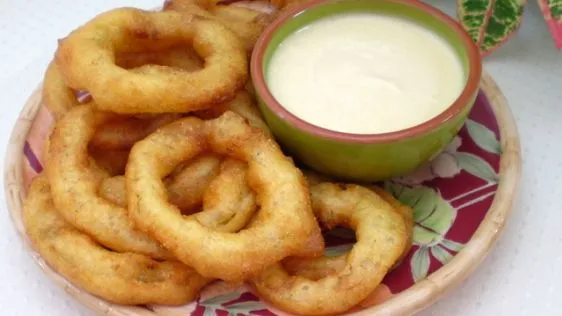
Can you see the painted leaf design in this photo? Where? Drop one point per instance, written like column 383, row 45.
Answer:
column 552, row 11
column 245, row 307
column 209, row 311
column 441, row 254
column 434, row 216
column 220, row 299
column 476, row 166
column 420, row 264
column 490, row 23
column 337, row 250
column 426, row 237
column 452, row 245
column 483, row 137
column 442, row 217
column 418, row 198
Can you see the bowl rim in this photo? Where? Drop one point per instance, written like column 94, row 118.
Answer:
column 470, row 89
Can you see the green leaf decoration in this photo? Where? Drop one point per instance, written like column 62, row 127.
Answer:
column 209, row 311
column 420, row 199
column 420, row 264
column 441, row 254
column 552, row 11
column 425, row 237
column 218, row 300
column 483, row 137
column 490, row 23
column 476, row 166
column 337, row 250
column 245, row 308
column 555, row 7
column 452, row 245
column 434, row 216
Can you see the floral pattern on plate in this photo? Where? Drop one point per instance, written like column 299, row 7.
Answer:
column 450, row 196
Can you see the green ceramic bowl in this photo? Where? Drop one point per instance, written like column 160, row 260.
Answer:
column 355, row 156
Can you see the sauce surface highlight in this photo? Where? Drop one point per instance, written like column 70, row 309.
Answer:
column 365, row 73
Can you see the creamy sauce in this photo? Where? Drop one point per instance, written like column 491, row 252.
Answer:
column 365, row 73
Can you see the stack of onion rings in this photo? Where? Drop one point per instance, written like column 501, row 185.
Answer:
column 190, row 241
column 161, row 174
column 123, row 278
column 185, row 186
column 227, row 200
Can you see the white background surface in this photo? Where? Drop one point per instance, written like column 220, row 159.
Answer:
column 521, row 276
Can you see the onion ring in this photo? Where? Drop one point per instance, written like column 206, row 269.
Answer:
column 228, row 201
column 124, row 132
column 246, row 23
column 112, row 161
column 91, row 48
column 122, row 278
column 185, row 186
column 381, row 239
column 284, row 225
column 243, row 105
column 321, row 267
column 260, row 6
column 183, row 57
column 74, row 184
column 113, row 189
column 285, row 4
column 404, row 211
column 316, row 269
column 57, row 97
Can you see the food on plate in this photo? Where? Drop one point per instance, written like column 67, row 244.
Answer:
column 182, row 56
column 228, row 202
column 57, row 97
column 244, row 105
column 260, row 6
column 381, row 238
column 123, row 132
column 250, row 88
column 162, row 176
column 113, row 161
column 187, row 184
column 245, row 22
column 75, row 180
column 372, row 82
column 404, row 211
column 123, row 278
column 324, row 266
column 316, row 269
column 89, row 51
column 113, row 189
column 284, row 219
column 225, row 196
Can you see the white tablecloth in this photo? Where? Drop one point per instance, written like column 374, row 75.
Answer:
column 521, row 276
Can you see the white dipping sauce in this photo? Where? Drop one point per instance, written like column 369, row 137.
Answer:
column 365, row 73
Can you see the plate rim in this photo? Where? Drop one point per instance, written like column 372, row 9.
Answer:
column 409, row 301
